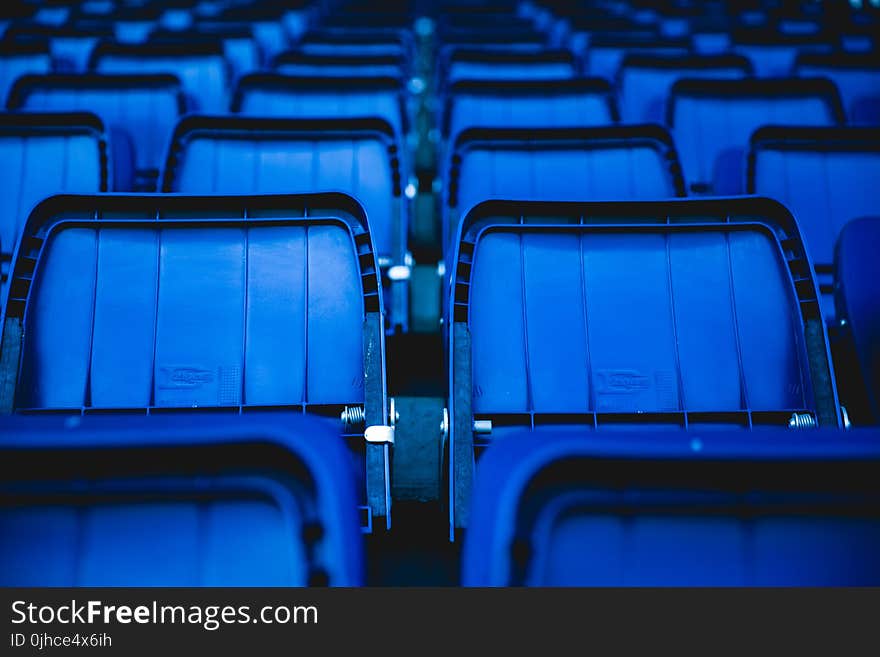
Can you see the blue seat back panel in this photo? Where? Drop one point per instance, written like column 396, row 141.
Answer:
column 135, row 317
column 548, row 174
column 644, row 91
column 37, row 165
column 538, row 111
column 577, row 544
column 359, row 167
column 13, row 66
column 824, row 189
column 767, row 507
column 321, row 104
column 145, row 115
column 204, row 79
column 694, row 322
column 712, row 134
column 859, row 89
column 474, row 70
column 234, row 540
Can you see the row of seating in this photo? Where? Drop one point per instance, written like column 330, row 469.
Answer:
column 637, row 361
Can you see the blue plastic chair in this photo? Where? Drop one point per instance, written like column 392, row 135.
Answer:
column 140, row 305
column 762, row 508
column 681, row 315
column 177, row 501
column 826, row 177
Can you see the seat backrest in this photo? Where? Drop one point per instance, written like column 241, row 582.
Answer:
column 143, row 302
column 274, row 95
column 644, row 81
column 857, row 76
column 473, row 64
column 825, row 176
column 177, row 501
column 528, row 104
column 713, row 120
column 200, row 65
column 140, row 109
column 573, row 164
column 46, row 154
column 244, row 155
column 857, row 296
column 300, row 65
column 69, row 45
column 774, row 54
column 676, row 314
column 606, row 53
column 650, row 509
column 17, row 60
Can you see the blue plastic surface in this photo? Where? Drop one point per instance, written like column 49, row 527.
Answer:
column 826, row 177
column 604, row 55
column 773, row 54
column 645, row 81
column 242, row 155
column 857, row 276
column 587, row 164
column 180, row 501
column 299, row 65
column 198, row 308
column 712, row 121
column 489, row 65
column 138, row 110
column 652, row 509
column 18, row 61
column 856, row 76
column 530, row 104
column 44, row 154
column 677, row 314
column 200, row 66
column 273, row 95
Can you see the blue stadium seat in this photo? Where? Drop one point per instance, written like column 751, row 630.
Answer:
column 676, row 315
column 138, row 111
column 200, row 65
column 774, row 54
column 857, row 272
column 826, row 177
column 482, row 64
column 565, row 164
column 69, row 46
column 528, row 104
column 139, row 304
column 244, row 155
column 270, row 25
column 355, row 43
column 712, row 121
column 176, row 501
column 606, row 52
column 856, row 76
column 645, row 81
column 274, row 95
column 46, row 154
column 295, row 63
column 17, row 59
column 761, row 508
column 240, row 49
